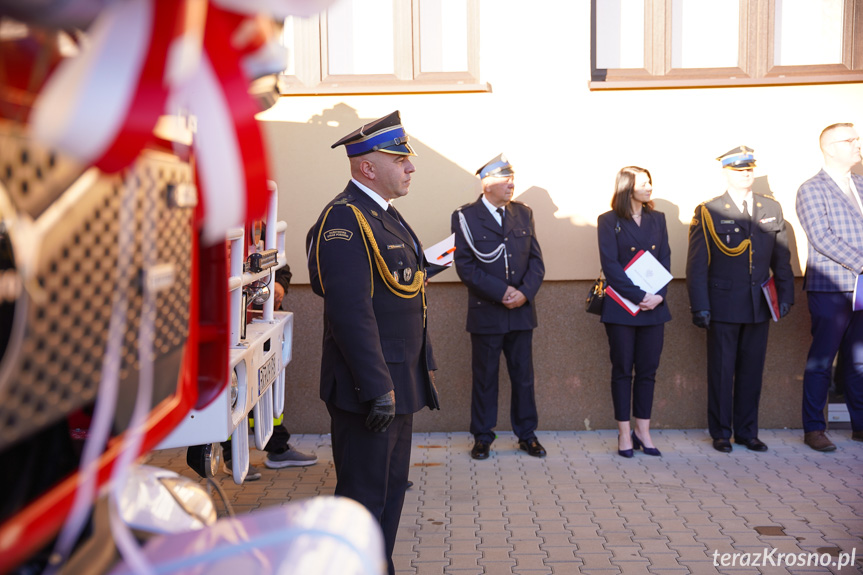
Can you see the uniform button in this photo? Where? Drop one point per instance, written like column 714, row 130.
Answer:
column 400, row 263
column 736, row 229
column 653, row 247
column 506, row 239
column 632, row 249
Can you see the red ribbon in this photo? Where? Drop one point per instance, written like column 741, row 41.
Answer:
column 226, row 63
column 151, row 92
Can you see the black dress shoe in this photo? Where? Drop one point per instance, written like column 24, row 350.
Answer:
column 722, row 445
column 533, row 447
column 753, row 444
column 480, row 450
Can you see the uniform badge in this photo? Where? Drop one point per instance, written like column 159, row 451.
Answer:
column 766, row 220
column 338, row 234
column 374, row 213
column 396, row 274
column 408, row 274
column 395, row 246
column 726, row 222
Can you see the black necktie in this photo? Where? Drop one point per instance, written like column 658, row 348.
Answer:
column 500, row 213
column 392, row 211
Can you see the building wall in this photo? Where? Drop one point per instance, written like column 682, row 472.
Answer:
column 566, row 143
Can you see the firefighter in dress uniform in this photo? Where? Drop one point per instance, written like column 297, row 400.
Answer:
column 498, row 258
column 735, row 241
column 376, row 365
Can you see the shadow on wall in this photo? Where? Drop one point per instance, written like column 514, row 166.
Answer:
column 570, row 346
column 438, row 187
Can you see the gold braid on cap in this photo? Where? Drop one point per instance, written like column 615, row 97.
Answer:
column 417, row 286
column 707, row 226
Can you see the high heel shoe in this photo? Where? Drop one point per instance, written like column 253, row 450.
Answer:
column 637, row 444
column 628, row 453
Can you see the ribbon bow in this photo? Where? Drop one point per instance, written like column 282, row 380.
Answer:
column 146, row 58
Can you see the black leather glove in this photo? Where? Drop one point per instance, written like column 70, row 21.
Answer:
column 701, row 319
column 784, row 308
column 382, row 413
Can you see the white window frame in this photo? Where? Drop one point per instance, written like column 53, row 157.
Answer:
column 755, row 54
column 310, row 77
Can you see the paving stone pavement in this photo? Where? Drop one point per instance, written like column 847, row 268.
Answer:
column 585, row 510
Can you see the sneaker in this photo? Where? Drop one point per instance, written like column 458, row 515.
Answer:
column 252, row 475
column 289, row 458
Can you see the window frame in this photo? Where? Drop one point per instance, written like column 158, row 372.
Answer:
column 310, row 37
column 755, row 54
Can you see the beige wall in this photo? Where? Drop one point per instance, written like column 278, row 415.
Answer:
column 566, row 143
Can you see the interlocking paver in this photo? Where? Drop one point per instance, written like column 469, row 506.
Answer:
column 583, row 509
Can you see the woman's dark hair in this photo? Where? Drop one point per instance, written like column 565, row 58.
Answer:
column 624, row 183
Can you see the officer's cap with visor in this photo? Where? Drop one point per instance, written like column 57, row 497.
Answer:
column 497, row 167
column 740, row 158
column 383, row 135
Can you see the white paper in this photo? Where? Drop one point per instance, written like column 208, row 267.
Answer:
column 647, row 273
column 442, row 252
column 857, row 297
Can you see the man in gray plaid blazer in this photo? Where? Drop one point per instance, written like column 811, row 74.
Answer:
column 830, row 210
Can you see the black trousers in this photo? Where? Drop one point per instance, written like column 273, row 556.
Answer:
column 735, row 364
column 372, row 468
column 633, row 348
column 517, row 347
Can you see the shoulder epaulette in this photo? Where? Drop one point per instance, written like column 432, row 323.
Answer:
column 766, row 196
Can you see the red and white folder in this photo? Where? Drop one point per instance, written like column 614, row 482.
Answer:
column 646, row 272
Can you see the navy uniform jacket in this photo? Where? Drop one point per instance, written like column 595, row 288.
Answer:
column 487, row 282
column 725, row 287
column 372, row 343
column 619, row 241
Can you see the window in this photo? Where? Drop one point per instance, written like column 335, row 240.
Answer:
column 692, row 43
column 384, row 46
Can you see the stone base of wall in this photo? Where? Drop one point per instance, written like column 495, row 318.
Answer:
column 570, row 360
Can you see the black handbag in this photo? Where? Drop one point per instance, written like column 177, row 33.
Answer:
column 593, row 304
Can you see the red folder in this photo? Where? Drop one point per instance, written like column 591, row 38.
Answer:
column 625, row 303
column 769, row 289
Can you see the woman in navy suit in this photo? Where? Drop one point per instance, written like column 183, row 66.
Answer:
column 635, row 341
